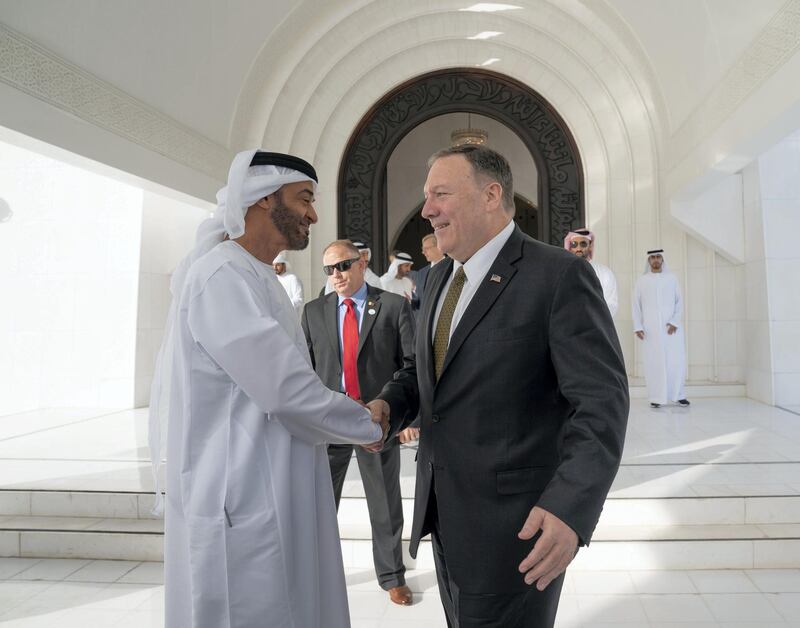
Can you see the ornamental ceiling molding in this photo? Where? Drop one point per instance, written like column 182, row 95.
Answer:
column 778, row 42
column 31, row 68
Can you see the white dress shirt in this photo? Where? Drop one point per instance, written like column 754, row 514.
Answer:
column 475, row 268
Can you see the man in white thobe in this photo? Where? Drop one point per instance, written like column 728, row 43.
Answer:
column 290, row 282
column 251, row 533
column 397, row 279
column 369, row 276
column 581, row 243
column 657, row 314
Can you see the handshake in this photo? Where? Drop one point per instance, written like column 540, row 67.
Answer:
column 379, row 410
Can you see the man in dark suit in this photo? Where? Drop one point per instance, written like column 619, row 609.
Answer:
column 432, row 253
column 523, row 398
column 358, row 336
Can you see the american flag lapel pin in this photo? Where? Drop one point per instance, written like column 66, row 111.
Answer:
column 496, row 278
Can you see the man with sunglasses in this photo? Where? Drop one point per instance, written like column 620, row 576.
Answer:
column 581, row 243
column 358, row 336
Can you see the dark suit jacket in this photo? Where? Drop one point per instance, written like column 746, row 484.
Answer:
column 530, row 409
column 420, row 278
column 385, row 341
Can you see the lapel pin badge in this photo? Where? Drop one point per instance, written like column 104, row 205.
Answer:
column 496, row 278
column 371, row 312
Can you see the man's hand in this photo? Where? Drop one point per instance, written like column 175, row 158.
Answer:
column 554, row 550
column 671, row 329
column 408, row 435
column 379, row 410
column 640, row 335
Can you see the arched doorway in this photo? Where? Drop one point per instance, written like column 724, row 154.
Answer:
column 362, row 174
column 416, row 227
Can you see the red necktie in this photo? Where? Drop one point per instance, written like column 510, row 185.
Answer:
column 350, row 351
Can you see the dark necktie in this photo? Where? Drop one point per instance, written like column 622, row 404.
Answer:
column 350, row 350
column 442, row 336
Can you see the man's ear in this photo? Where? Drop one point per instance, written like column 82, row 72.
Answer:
column 494, row 194
column 264, row 203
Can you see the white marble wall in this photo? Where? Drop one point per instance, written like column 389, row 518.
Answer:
column 779, row 173
column 758, row 373
column 69, row 261
column 168, row 233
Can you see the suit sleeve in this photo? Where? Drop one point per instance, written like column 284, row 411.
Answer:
column 401, row 392
column 405, row 357
column 588, row 361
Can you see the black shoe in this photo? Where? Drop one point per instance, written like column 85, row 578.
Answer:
column 684, row 402
column 656, row 405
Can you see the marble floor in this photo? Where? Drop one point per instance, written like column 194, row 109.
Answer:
column 717, row 447
column 43, row 593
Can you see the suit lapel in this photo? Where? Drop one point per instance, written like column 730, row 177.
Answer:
column 373, row 305
column 492, row 286
column 332, row 320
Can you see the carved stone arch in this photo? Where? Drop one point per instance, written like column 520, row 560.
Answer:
column 362, row 173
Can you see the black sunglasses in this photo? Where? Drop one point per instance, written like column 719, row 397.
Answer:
column 342, row 266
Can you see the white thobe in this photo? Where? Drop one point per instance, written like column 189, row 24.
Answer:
column 398, row 285
column 251, row 530
column 609, row 285
column 656, row 303
column 291, row 284
column 372, row 279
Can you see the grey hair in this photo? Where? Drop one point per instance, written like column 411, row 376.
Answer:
column 347, row 245
column 485, row 163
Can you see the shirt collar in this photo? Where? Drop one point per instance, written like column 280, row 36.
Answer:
column 358, row 297
column 476, row 267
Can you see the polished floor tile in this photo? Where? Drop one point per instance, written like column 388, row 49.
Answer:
column 626, row 599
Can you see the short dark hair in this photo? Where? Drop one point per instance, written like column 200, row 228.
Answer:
column 485, row 163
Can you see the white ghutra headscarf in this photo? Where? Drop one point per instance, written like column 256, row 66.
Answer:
column 254, row 174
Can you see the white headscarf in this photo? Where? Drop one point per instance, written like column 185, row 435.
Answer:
column 664, row 268
column 246, row 185
column 399, row 258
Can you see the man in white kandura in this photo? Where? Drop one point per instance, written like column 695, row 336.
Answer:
column 251, row 531
column 657, row 314
column 397, row 279
column 581, row 243
column 289, row 281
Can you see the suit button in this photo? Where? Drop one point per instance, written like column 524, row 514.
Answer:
column 430, row 466
column 435, row 418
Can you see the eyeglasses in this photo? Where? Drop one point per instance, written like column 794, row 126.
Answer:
column 342, row 266
column 584, row 244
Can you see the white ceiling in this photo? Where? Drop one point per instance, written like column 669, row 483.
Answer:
column 185, row 58
column 690, row 44
column 191, row 59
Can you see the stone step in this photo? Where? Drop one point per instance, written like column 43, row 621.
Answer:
column 756, row 509
column 608, row 555
column 66, row 503
column 613, row 547
column 687, row 511
column 695, row 390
